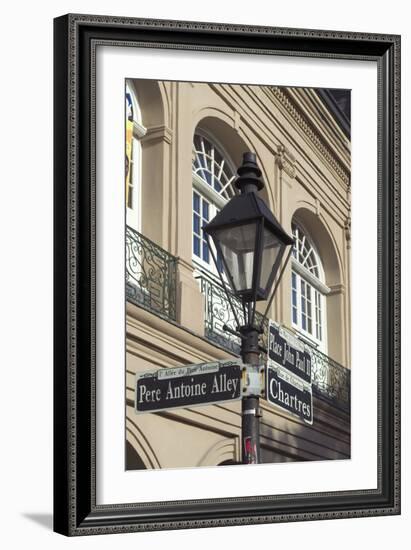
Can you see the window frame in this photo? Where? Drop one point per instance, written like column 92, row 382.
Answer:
column 215, row 201
column 318, row 290
column 212, row 210
column 133, row 212
column 218, row 146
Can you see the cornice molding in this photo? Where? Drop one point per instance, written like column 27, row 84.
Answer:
column 139, row 131
column 337, row 289
column 292, row 109
column 158, row 133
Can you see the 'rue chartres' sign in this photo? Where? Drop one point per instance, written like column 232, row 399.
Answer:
column 185, row 386
column 288, row 375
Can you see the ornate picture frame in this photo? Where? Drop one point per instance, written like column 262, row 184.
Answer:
column 76, row 41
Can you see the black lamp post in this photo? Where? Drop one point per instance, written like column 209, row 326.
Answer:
column 250, row 245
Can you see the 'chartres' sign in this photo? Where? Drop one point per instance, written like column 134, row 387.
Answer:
column 288, row 373
column 296, row 399
column 190, row 385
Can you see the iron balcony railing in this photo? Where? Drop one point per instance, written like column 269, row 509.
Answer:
column 330, row 380
column 151, row 275
column 218, row 313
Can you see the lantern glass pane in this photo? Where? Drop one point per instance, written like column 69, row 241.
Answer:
column 237, row 246
column 272, row 251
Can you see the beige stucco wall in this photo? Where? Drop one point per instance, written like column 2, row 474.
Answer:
column 305, row 160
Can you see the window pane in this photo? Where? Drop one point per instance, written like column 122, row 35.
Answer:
column 304, row 251
column 294, row 306
column 218, row 159
column 303, row 306
column 206, row 254
column 198, row 140
column 203, row 160
column 318, row 315
column 130, row 198
column 212, row 166
column 196, row 224
column 196, row 246
column 205, row 210
column 306, row 302
column 220, row 265
column 196, row 202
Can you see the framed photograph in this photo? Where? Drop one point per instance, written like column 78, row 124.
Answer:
column 227, row 275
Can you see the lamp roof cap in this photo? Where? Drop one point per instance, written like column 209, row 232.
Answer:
column 249, row 174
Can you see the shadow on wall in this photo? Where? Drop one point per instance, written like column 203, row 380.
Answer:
column 133, row 461
column 290, row 440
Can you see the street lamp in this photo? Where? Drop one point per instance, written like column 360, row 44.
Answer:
column 249, row 247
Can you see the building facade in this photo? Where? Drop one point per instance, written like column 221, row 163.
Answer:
column 184, row 142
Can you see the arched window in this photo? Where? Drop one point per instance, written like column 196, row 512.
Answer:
column 213, row 176
column 308, row 290
column 134, row 132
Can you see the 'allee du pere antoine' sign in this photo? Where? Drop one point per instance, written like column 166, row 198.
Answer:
column 190, row 385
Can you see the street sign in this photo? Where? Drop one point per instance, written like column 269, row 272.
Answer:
column 285, row 392
column 288, row 376
column 202, row 384
column 286, row 350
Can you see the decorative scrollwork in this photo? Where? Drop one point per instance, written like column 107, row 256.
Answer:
column 331, row 379
column 151, row 275
column 218, row 313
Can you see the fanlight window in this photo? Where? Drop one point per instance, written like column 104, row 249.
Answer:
column 308, row 300
column 304, row 253
column 213, row 178
column 211, row 166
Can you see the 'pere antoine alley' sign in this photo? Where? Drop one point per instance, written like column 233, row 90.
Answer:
column 185, row 386
column 288, row 375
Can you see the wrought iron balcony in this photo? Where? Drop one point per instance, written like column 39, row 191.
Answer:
column 151, row 275
column 218, row 313
column 330, row 379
